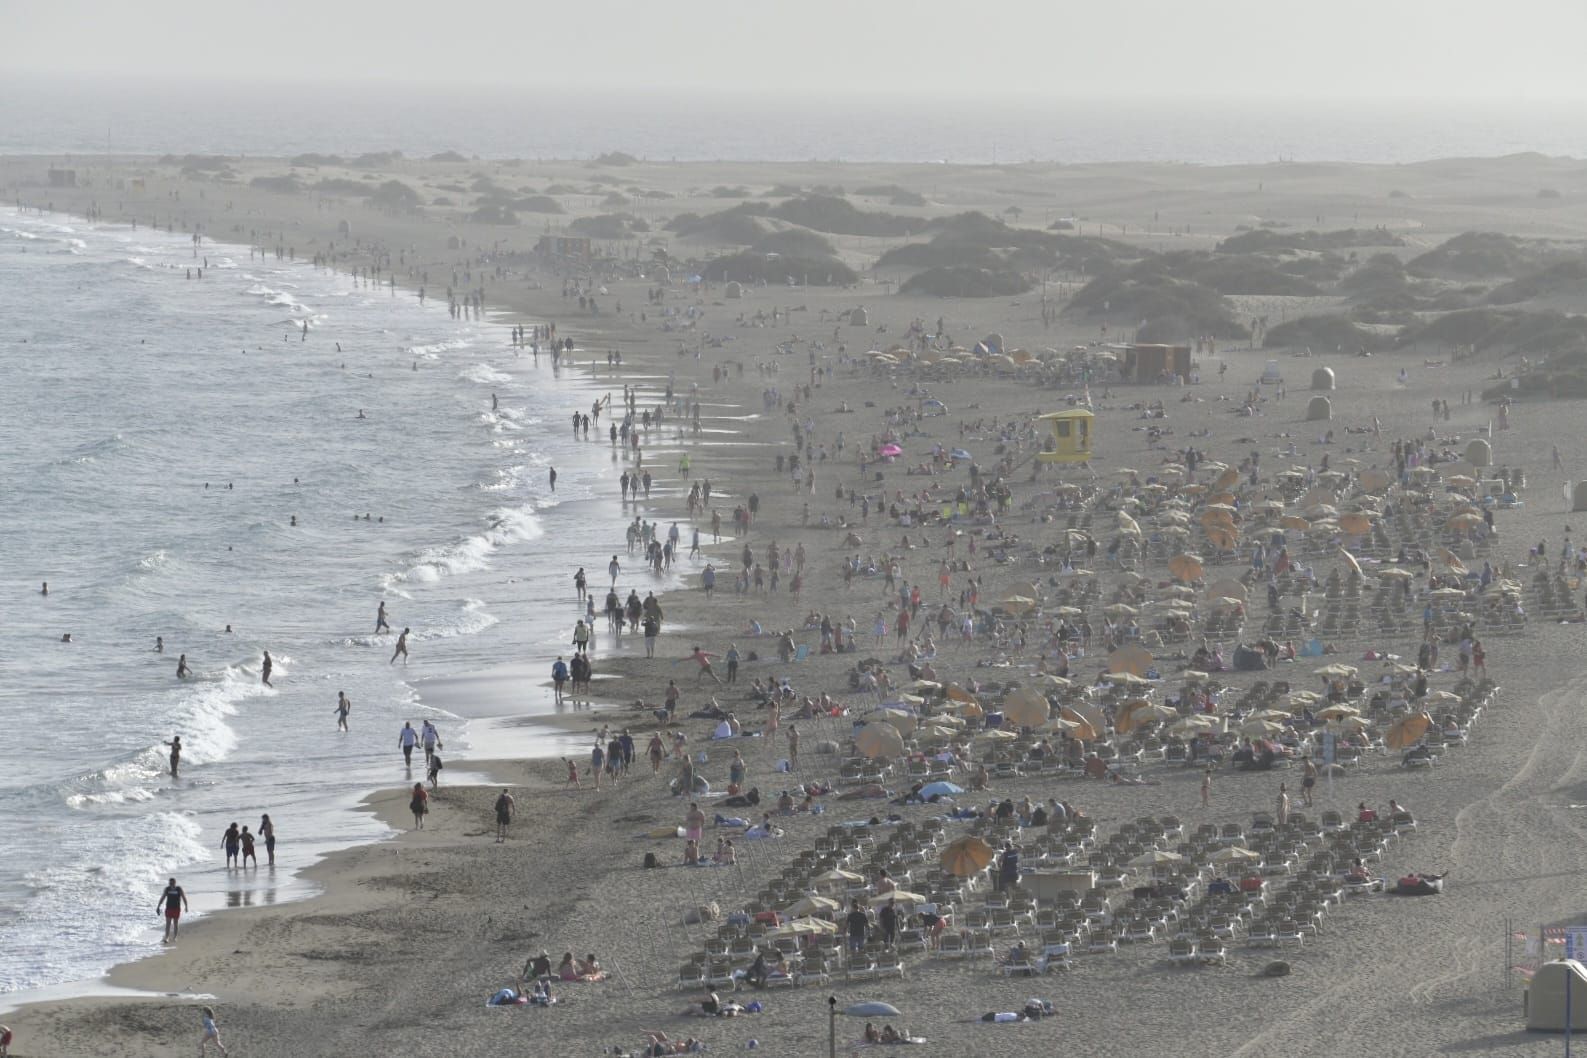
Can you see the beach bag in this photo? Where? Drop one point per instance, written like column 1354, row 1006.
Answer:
column 651, row 862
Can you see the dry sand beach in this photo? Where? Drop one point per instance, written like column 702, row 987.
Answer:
column 410, row 936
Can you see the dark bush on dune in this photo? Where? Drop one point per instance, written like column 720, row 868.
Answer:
column 538, row 204
column 1131, row 296
column 376, row 159
column 729, row 192
column 733, row 227
column 1513, row 330
column 756, row 267
column 1265, row 240
column 340, row 185
column 838, row 216
column 493, row 213
column 1478, row 254
column 1382, row 274
column 1564, row 277
column 974, row 240
column 615, row 199
column 1316, row 267
column 287, row 185
column 563, row 189
column 965, row 283
column 394, row 194
column 1323, row 334
column 312, row 161
column 448, row 156
column 204, row 163
column 795, row 241
column 603, row 226
column 1241, row 275
column 614, row 158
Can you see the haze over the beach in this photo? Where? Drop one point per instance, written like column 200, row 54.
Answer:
column 1096, row 388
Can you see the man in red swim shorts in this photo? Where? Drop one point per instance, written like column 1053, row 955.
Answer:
column 173, row 901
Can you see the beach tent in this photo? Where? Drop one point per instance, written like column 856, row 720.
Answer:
column 1322, row 378
column 1271, row 375
column 344, row 229
column 1578, row 496
column 859, row 318
column 1319, row 409
column 1545, row 997
column 1479, row 453
column 993, row 342
column 733, row 291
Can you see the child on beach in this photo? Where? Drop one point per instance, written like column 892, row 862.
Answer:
column 211, row 1034
column 419, row 804
column 573, row 772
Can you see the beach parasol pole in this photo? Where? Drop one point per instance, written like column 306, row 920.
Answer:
column 832, row 1025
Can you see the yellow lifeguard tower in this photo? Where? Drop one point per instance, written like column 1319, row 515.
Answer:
column 1071, row 433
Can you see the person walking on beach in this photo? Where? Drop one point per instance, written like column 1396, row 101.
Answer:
column 431, row 739
column 504, row 809
column 581, row 637
column 380, row 619
column 419, row 805
column 559, row 678
column 176, row 753
column 402, row 648
column 1206, row 787
column 343, row 707
column 407, row 738
column 211, row 1033
column 614, row 568
column 580, row 584
column 267, row 831
column 264, row 670
column 793, row 746
column 1308, row 780
column 1281, row 809
column 172, row 902
column 433, row 771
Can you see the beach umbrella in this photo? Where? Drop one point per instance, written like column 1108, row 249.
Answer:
column 941, row 788
column 1191, row 726
column 1222, row 538
column 1235, row 854
column 1229, row 587
column 965, row 856
column 1451, row 561
column 1350, row 560
column 1151, row 714
column 871, row 1010
column 902, row 896
column 1127, row 525
column 1335, row 671
column 1374, row 480
column 1157, row 858
column 1226, row 479
column 1438, row 697
column 1227, row 602
column 879, row 740
column 1181, row 591
column 813, row 905
column 1017, row 604
column 837, row 876
column 1464, row 521
column 1126, row 679
column 1396, row 573
column 971, row 710
column 959, row 453
column 890, row 450
column 1083, row 730
column 1276, row 715
column 997, row 734
column 1355, row 523
column 853, row 540
column 801, row 926
column 1026, row 707
column 1132, row 659
column 1213, row 466
column 1446, row 594
column 901, row 719
column 1337, row 712
column 1120, row 609
column 1407, row 730
column 1294, row 521
column 1353, row 723
column 1058, row 682
column 1185, row 567
column 958, row 694
column 925, row 685
column 1191, row 675
column 1261, row 727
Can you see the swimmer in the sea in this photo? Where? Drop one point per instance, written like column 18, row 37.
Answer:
column 182, row 671
column 176, row 753
column 264, row 670
column 46, row 589
column 159, row 644
column 380, row 617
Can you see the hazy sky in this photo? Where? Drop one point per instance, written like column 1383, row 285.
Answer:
column 1526, row 49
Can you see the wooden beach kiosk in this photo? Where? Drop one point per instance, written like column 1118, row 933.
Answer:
column 1071, row 434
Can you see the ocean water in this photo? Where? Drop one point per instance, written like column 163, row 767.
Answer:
column 155, row 116
column 157, row 436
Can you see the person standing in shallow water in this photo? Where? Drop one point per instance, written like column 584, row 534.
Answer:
column 343, row 707
column 402, row 648
column 176, row 754
column 264, row 670
column 267, row 831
